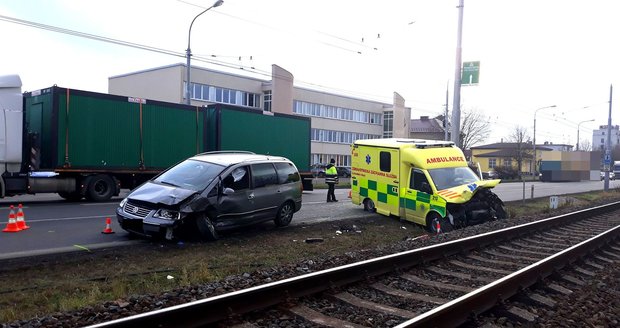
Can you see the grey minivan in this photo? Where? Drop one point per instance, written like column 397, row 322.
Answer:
column 212, row 192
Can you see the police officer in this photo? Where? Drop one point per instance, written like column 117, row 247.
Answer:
column 331, row 178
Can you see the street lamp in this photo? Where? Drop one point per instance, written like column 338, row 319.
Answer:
column 189, row 51
column 534, row 142
column 578, row 131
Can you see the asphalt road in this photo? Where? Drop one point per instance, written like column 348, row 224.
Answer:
column 58, row 226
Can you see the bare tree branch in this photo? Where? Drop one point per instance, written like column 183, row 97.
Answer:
column 475, row 129
column 521, row 138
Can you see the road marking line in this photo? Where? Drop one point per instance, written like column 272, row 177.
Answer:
column 74, row 218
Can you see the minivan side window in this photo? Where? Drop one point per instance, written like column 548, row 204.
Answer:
column 287, row 173
column 264, row 175
column 238, row 179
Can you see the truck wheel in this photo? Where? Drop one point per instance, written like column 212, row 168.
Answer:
column 206, row 228
column 431, row 223
column 71, row 196
column 285, row 214
column 100, row 188
column 369, row 205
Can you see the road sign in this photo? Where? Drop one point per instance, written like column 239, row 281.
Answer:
column 470, row 74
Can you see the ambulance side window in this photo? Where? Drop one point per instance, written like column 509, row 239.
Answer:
column 385, row 161
column 418, row 181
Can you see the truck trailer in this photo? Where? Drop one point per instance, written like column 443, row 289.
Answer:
column 427, row 182
column 83, row 144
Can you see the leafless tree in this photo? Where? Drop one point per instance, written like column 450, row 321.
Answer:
column 585, row 145
column 475, row 129
column 520, row 136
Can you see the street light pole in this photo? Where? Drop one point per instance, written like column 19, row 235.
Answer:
column 532, row 163
column 188, row 52
column 578, row 131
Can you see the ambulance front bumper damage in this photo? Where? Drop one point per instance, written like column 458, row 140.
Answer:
column 483, row 206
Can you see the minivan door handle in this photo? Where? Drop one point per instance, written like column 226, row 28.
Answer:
column 251, row 196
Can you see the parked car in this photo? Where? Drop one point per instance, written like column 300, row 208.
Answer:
column 344, row 171
column 212, row 192
column 318, row 170
column 612, row 175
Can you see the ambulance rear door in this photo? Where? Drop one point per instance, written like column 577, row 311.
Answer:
column 380, row 180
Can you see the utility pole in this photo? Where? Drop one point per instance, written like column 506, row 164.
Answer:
column 608, row 148
column 456, row 105
column 445, row 115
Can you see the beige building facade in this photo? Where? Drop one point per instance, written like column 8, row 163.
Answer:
column 336, row 120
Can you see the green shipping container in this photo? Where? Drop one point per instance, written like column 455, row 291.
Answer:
column 236, row 128
column 74, row 130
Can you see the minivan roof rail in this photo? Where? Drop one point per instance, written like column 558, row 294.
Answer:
column 227, row 152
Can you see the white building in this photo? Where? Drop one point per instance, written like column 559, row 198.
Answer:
column 336, row 120
column 599, row 137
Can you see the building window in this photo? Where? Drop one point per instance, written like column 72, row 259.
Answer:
column 267, row 100
column 223, row 95
column 326, row 111
column 492, row 163
column 388, row 124
column 341, row 137
column 341, row 160
column 507, row 163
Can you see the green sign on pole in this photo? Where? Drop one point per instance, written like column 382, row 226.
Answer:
column 470, row 74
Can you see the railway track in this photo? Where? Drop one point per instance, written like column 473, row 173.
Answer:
column 446, row 285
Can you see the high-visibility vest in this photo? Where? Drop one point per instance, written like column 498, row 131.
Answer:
column 331, row 175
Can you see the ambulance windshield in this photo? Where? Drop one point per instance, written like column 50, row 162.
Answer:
column 449, row 177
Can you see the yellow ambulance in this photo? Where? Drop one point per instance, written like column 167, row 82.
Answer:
column 427, row 182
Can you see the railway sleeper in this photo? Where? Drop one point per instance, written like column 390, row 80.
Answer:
column 555, row 288
column 319, row 318
column 516, row 313
column 369, row 305
column 540, row 300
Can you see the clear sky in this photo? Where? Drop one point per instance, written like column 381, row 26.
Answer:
column 533, row 53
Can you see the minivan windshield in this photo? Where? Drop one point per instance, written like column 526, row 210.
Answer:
column 190, row 174
column 449, row 177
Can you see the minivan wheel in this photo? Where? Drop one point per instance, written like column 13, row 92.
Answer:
column 206, row 228
column 285, row 214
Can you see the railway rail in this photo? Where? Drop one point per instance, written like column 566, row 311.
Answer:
column 444, row 285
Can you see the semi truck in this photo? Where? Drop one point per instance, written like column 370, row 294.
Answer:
column 427, row 182
column 83, row 144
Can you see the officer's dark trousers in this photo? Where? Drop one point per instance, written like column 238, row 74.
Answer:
column 331, row 197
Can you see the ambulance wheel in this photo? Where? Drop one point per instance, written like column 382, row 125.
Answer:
column 500, row 212
column 431, row 223
column 206, row 228
column 369, row 205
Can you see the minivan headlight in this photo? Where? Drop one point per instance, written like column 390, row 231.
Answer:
column 167, row 214
column 123, row 202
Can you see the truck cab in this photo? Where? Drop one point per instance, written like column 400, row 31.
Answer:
column 427, row 182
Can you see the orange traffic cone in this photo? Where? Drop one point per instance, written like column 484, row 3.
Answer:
column 438, row 227
column 349, row 193
column 12, row 225
column 21, row 219
column 107, row 229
